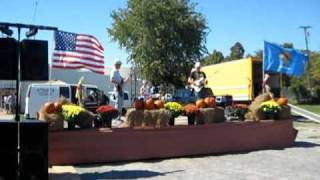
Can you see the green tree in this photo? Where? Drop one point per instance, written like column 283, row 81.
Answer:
column 164, row 38
column 287, row 45
column 214, row 58
column 237, row 51
column 258, row 54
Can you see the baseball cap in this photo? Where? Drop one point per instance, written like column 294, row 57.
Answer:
column 197, row 64
column 117, row 61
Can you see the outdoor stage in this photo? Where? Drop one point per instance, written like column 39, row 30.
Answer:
column 124, row 144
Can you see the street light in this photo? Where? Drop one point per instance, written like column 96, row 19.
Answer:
column 306, row 36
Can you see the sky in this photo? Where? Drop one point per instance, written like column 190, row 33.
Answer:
column 249, row 22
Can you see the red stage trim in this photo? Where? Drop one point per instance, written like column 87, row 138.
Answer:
column 105, row 145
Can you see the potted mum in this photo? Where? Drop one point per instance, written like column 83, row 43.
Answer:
column 176, row 110
column 71, row 114
column 271, row 109
column 105, row 115
column 191, row 111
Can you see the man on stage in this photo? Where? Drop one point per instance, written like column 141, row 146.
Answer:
column 118, row 82
column 197, row 81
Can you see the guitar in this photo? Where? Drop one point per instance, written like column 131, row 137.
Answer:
column 198, row 84
column 119, row 85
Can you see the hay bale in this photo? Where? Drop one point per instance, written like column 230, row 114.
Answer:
column 156, row 118
column 149, row 118
column 134, row 117
column 63, row 101
column 210, row 115
column 55, row 120
column 85, row 119
column 254, row 113
column 159, row 117
column 285, row 112
column 163, row 118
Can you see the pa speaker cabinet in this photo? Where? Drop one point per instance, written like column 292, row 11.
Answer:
column 8, row 59
column 8, row 150
column 33, row 150
column 34, row 60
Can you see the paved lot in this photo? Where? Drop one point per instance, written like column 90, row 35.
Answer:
column 299, row 162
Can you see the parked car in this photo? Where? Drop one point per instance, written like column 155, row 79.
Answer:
column 184, row 96
column 40, row 93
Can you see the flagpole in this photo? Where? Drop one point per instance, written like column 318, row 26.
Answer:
column 50, row 70
column 281, row 85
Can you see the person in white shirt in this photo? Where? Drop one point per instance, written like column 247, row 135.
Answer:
column 145, row 90
column 118, row 81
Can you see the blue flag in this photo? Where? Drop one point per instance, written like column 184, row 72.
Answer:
column 283, row 60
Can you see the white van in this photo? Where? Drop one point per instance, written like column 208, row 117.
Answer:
column 40, row 93
column 126, row 101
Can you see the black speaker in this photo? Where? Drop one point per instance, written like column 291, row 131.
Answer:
column 8, row 58
column 8, row 150
column 34, row 60
column 33, row 150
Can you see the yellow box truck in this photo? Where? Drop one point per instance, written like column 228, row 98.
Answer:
column 241, row 79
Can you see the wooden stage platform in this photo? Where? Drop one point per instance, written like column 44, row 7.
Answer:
column 125, row 144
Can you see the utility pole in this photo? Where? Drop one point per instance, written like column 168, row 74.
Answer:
column 306, row 36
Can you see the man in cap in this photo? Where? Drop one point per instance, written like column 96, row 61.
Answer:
column 197, row 81
column 117, row 80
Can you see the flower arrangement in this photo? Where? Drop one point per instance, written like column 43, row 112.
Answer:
column 270, row 108
column 106, row 109
column 70, row 112
column 236, row 111
column 175, row 108
column 105, row 115
column 191, row 109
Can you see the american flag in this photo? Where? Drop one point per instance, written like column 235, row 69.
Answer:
column 76, row 51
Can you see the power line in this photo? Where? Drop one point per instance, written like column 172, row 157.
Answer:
column 34, row 11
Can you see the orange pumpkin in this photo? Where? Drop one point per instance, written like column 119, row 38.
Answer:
column 49, row 107
column 159, row 104
column 210, row 102
column 138, row 104
column 282, row 101
column 149, row 104
column 57, row 107
column 200, row 103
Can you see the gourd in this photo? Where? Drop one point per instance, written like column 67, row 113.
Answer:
column 159, row 104
column 149, row 104
column 210, row 102
column 200, row 103
column 282, row 101
column 49, row 107
column 138, row 104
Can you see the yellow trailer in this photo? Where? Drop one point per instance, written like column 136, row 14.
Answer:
column 239, row 78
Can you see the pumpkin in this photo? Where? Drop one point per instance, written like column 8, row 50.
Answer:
column 159, row 104
column 210, row 102
column 200, row 103
column 138, row 104
column 57, row 107
column 49, row 107
column 149, row 104
column 282, row 101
